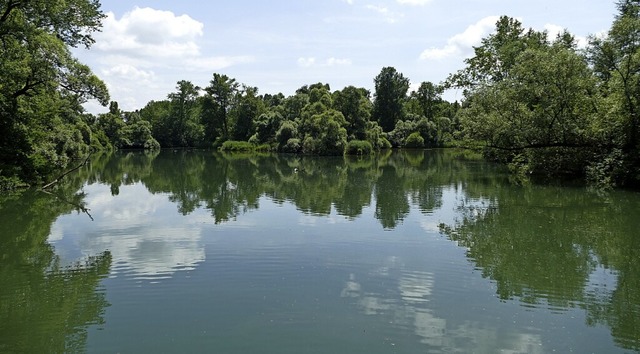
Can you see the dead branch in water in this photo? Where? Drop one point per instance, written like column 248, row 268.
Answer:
column 78, row 206
column 66, row 173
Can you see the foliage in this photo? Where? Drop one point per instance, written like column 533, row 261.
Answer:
column 232, row 145
column 414, row 140
column 43, row 85
column 359, row 147
column 616, row 62
column 390, row 96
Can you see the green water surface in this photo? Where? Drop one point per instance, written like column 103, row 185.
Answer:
column 428, row 251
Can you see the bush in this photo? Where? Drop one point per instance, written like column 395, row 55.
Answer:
column 414, row 140
column 383, row 144
column 232, row 145
column 359, row 147
column 292, row 146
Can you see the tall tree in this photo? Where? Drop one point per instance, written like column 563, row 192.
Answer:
column 616, row 61
column 497, row 53
column 184, row 127
column 391, row 93
column 43, row 85
column 247, row 109
column 428, row 96
column 219, row 98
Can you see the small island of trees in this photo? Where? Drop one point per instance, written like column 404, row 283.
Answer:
column 541, row 105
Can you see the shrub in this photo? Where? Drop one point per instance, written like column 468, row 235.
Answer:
column 359, row 147
column 232, row 145
column 414, row 140
column 292, row 146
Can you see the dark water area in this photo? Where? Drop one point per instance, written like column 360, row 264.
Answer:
column 430, row 251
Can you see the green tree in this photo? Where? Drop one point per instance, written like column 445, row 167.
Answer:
column 157, row 113
column 248, row 107
column 428, row 96
column 43, row 85
column 218, row 102
column 184, row 125
column 531, row 102
column 355, row 106
column 496, row 55
column 390, row 96
column 616, row 61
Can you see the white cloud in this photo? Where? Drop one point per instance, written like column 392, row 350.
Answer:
column 151, row 33
column 388, row 15
column 306, row 62
column 216, row 63
column 462, row 43
column 337, row 61
column 129, row 72
column 313, row 62
column 413, row 2
column 152, row 48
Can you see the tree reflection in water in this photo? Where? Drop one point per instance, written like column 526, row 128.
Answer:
column 542, row 246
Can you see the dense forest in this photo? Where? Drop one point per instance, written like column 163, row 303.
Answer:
column 542, row 105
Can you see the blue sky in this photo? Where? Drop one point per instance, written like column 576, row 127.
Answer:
column 146, row 46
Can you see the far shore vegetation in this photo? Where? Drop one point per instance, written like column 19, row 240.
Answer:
column 543, row 106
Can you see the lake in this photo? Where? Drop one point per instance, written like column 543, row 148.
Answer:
column 431, row 251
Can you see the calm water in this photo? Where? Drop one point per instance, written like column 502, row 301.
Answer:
column 410, row 252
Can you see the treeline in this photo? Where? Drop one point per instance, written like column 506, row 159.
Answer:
column 541, row 105
column 314, row 120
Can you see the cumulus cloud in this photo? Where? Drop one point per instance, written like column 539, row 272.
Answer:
column 128, row 71
column 152, row 49
column 150, row 32
column 462, row 43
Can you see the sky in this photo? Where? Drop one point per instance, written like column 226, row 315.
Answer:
column 147, row 46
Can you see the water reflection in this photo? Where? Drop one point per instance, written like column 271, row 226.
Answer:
column 539, row 245
column 409, row 307
column 554, row 250
column 45, row 304
column 146, row 240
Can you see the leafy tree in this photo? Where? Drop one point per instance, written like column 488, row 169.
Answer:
column 157, row 113
column 497, row 54
column 266, row 126
column 355, row 106
column 390, row 96
column 136, row 134
column 326, row 134
column 530, row 101
column 43, row 85
column 428, row 98
column 184, row 126
column 248, row 107
column 616, row 61
column 218, row 102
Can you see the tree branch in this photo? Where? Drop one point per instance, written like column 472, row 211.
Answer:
column 78, row 206
column 66, row 173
